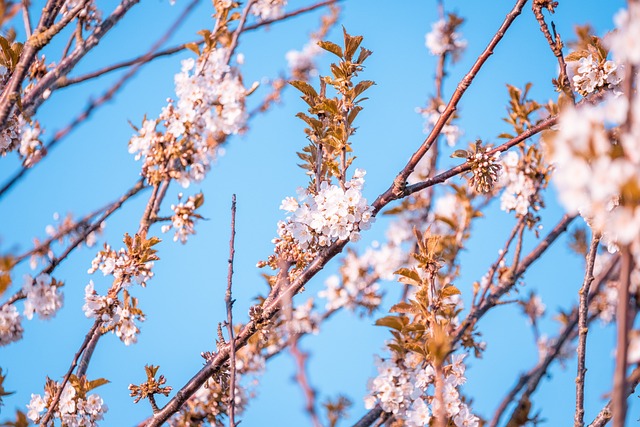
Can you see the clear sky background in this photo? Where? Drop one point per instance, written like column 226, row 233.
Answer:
column 184, row 301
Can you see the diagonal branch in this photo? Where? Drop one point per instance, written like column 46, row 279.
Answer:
column 397, row 189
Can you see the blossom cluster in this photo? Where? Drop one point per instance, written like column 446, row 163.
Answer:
column 452, row 133
column 268, row 9
column 485, row 167
column 444, row 39
column 73, row 410
column 10, row 325
column 317, row 221
column 404, row 387
column 521, row 180
column 210, row 106
column 211, row 403
column 357, row 286
column 183, row 217
column 301, row 62
column 116, row 316
column 590, row 74
column 596, row 176
column 42, row 296
column 122, row 266
column 21, row 135
column 596, row 149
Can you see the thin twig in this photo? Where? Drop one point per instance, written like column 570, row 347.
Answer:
column 477, row 312
column 556, row 44
column 386, row 198
column 534, row 375
column 236, row 33
column 301, row 377
column 34, row 98
column 494, row 267
column 398, row 188
column 583, row 312
column 229, row 305
column 56, row 399
column 619, row 395
column 604, row 416
column 26, row 18
column 179, row 48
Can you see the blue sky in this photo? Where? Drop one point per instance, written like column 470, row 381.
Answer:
column 184, row 301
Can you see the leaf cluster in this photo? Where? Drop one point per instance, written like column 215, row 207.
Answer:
column 330, row 119
column 520, row 110
column 9, row 53
column 151, row 386
column 221, row 35
column 422, row 324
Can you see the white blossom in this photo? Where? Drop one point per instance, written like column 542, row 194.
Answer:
column 10, row 326
column 42, row 297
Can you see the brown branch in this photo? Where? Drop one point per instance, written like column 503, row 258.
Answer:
column 583, row 312
column 477, row 312
column 229, row 305
column 81, row 238
column 179, row 48
column 604, row 416
column 533, row 377
column 387, row 198
column 34, row 98
column 301, row 377
column 619, row 395
column 56, row 399
column 555, row 44
column 238, row 30
column 94, row 104
column 40, row 38
column 398, row 188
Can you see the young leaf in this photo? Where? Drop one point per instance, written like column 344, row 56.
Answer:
column 331, row 47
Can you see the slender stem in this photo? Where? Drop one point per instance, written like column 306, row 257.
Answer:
column 397, row 189
column 301, row 377
column 477, row 312
column 555, row 44
column 386, row 198
column 533, row 377
column 619, row 394
column 229, row 305
column 26, row 18
column 440, row 412
column 56, row 399
column 604, row 416
column 236, row 34
column 583, row 313
column 179, row 48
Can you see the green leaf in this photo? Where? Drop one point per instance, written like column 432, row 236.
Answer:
column 361, row 87
column 351, row 44
column 331, row 47
column 402, row 307
column 304, row 87
column 409, row 276
column 461, row 154
column 364, row 54
column 392, row 322
column 96, row 383
column 193, row 47
column 449, row 291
